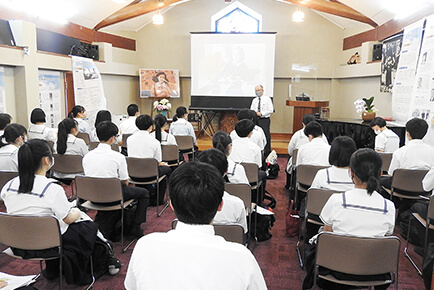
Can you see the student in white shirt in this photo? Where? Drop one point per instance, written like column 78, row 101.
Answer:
column 316, row 152
column 160, row 122
column 31, row 193
column 14, row 136
column 38, row 129
column 192, row 255
column 181, row 127
column 233, row 210
column 101, row 116
column 68, row 144
column 263, row 106
column 337, row 177
column 79, row 114
column 258, row 137
column 142, row 145
column 223, row 142
column 386, row 140
column 5, row 119
column 128, row 126
column 104, row 162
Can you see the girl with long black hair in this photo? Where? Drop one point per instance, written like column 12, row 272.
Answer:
column 14, row 136
column 160, row 122
column 78, row 113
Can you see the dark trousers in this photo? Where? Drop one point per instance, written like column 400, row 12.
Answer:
column 264, row 123
column 162, row 170
column 141, row 195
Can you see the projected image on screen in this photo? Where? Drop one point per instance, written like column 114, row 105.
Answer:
column 231, row 64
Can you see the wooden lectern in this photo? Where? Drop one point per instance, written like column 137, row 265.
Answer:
column 304, row 107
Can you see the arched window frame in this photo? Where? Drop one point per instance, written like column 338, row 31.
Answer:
column 230, row 9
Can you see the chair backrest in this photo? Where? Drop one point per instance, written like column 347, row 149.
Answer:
column 356, row 255
column 409, row 181
column 185, row 142
column 170, row 153
column 142, row 167
column 294, row 157
column 316, row 199
column 242, row 191
column 231, row 233
column 98, row 189
column 68, row 164
column 306, row 173
column 124, row 139
column 5, row 176
column 29, row 232
column 84, row 136
column 93, row 145
column 387, row 158
column 252, row 170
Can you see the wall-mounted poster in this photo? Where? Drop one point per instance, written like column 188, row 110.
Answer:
column 49, row 96
column 390, row 57
column 159, row 83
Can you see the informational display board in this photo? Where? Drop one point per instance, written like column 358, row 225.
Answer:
column 49, row 96
column 88, row 89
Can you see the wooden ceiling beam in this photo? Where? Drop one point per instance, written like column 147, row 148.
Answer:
column 334, row 8
column 133, row 10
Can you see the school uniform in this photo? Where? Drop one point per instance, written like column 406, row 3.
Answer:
column 128, row 126
column 236, row 173
column 166, row 138
column 83, row 126
column 316, row 152
column 258, row 137
column 233, row 212
column 41, row 132
column 104, row 162
column 244, row 150
column 9, row 158
column 387, row 141
column 415, row 155
column 74, row 146
column 333, row 178
column 182, row 127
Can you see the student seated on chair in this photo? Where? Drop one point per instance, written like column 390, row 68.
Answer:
column 316, row 152
column 38, row 130
column 128, row 126
column 68, row 144
column 233, row 210
column 79, row 114
column 337, row 177
column 235, row 173
column 361, row 212
column 142, row 145
column 160, row 133
column 181, row 127
column 101, row 116
column 104, row 162
column 5, row 119
column 298, row 139
column 31, row 193
column 386, row 140
column 258, row 136
column 244, row 150
column 192, row 256
column 14, row 136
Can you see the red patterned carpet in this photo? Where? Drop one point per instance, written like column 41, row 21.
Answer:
column 277, row 256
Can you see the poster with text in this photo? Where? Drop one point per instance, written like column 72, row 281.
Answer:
column 407, row 64
column 159, row 83
column 2, row 91
column 49, row 96
column 88, row 89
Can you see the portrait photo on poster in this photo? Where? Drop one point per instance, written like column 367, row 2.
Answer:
column 159, row 83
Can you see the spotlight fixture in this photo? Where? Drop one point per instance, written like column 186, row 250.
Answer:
column 157, row 18
column 298, row 15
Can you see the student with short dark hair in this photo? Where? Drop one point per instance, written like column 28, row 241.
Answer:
column 416, row 154
column 337, row 177
column 38, row 130
column 386, row 140
column 142, row 145
column 31, row 193
column 101, row 116
column 14, row 136
column 128, row 126
column 104, row 162
column 258, row 136
column 5, row 119
column 316, row 152
column 233, row 210
column 78, row 113
column 243, row 150
column 196, row 192
column 180, row 126
column 223, row 142
column 160, row 122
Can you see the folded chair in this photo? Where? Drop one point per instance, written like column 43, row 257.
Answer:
column 146, row 169
column 358, row 256
column 100, row 194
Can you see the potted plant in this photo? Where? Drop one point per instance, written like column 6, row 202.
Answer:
column 368, row 114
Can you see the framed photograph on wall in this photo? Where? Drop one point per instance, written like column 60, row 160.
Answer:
column 159, row 83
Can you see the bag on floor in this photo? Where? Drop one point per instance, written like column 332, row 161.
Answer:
column 264, row 222
column 101, row 255
column 292, row 220
column 272, row 170
column 271, row 200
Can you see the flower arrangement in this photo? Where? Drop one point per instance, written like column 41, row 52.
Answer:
column 365, row 105
column 162, row 105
